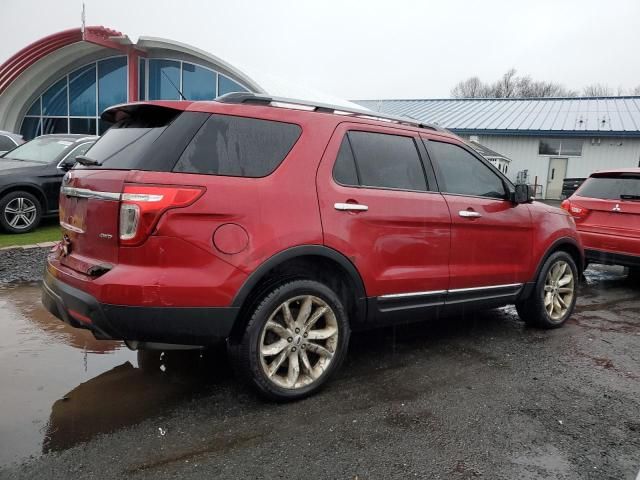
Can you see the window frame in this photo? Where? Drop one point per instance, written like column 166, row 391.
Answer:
column 507, row 184
column 429, row 176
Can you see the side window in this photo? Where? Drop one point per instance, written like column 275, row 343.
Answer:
column 381, row 160
column 238, row 147
column 344, row 170
column 462, row 173
column 6, row 143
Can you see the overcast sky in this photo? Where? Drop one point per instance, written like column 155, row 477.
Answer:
column 372, row 49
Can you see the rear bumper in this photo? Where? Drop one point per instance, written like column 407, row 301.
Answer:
column 177, row 325
column 610, row 258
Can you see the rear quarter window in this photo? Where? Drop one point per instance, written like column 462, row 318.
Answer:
column 611, row 187
column 238, row 147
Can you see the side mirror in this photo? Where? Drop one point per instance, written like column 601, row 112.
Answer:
column 522, row 194
column 67, row 164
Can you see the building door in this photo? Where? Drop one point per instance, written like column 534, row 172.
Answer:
column 557, row 172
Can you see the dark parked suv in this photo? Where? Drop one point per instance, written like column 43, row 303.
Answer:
column 281, row 227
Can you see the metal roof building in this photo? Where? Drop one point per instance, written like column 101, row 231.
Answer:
column 549, row 138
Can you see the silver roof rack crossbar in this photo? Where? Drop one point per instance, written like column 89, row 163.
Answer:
column 257, row 99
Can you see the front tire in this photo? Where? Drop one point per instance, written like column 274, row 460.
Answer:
column 554, row 296
column 296, row 339
column 20, row 212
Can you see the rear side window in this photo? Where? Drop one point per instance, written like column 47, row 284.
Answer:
column 611, row 188
column 238, row 147
column 379, row 160
column 463, row 174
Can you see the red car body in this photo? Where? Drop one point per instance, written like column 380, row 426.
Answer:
column 204, row 255
column 606, row 209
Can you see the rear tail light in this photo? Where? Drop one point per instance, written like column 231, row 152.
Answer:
column 576, row 211
column 142, row 206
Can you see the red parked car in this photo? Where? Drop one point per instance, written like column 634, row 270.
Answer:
column 281, row 227
column 607, row 212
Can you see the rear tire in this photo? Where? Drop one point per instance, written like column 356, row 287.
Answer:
column 20, row 212
column 296, row 339
column 554, row 296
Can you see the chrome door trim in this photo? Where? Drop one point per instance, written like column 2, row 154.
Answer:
column 490, row 287
column 442, row 292
column 87, row 193
column 412, row 294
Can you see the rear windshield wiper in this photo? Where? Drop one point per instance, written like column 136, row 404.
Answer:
column 629, row 197
column 87, row 162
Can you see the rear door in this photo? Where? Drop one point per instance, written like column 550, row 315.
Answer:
column 613, row 219
column 380, row 209
column 491, row 237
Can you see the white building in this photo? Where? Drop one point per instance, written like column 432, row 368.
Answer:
column 549, row 138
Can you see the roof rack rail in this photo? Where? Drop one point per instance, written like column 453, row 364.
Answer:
column 257, row 99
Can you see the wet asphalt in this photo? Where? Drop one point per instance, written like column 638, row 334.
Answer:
column 475, row 396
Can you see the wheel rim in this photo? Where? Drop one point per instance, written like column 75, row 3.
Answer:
column 298, row 342
column 559, row 288
column 20, row 213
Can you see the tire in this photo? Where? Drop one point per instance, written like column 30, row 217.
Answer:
column 20, row 212
column 317, row 358
column 535, row 310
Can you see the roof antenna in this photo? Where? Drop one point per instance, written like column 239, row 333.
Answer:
column 173, row 85
column 83, row 19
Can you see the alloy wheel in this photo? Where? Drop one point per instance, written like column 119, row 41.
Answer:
column 298, row 342
column 20, row 213
column 559, row 289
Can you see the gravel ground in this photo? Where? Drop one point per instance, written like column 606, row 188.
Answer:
column 22, row 265
column 479, row 396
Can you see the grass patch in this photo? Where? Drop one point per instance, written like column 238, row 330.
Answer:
column 49, row 231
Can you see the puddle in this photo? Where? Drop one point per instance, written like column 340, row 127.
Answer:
column 60, row 386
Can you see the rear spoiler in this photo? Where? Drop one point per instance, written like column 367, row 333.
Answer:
column 156, row 112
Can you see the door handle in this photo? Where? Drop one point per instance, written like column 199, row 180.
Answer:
column 350, row 207
column 469, row 214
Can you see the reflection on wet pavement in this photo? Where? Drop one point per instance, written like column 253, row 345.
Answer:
column 60, row 386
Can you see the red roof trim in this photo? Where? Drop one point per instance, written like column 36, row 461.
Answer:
column 18, row 63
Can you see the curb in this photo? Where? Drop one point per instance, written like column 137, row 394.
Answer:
column 29, row 247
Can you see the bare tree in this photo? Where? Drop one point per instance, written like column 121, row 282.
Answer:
column 472, row 87
column 597, row 90
column 510, row 85
column 635, row 91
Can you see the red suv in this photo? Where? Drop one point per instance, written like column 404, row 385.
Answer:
column 607, row 212
column 281, row 226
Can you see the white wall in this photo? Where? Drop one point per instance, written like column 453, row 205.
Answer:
column 523, row 152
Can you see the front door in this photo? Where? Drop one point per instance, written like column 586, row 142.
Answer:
column 491, row 237
column 379, row 209
column 557, row 172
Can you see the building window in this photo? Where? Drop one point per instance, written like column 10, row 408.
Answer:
column 198, row 83
column 164, row 79
column 73, row 104
column 142, row 82
column 112, row 82
column 560, row 146
column 226, row 85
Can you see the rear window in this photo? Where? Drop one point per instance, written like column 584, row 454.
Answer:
column 150, row 139
column 238, row 147
column 611, row 188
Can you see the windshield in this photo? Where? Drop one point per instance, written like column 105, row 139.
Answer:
column 611, row 188
column 41, row 150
